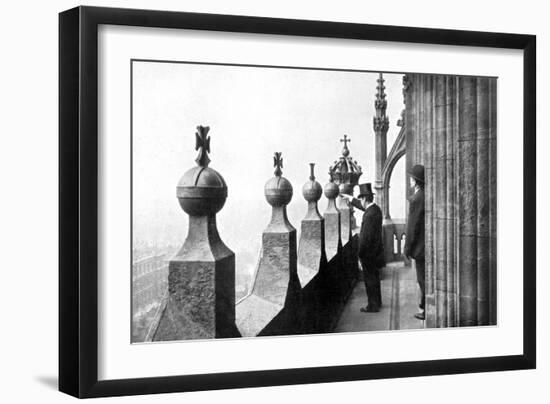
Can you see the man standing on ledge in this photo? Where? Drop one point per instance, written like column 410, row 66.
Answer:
column 414, row 242
column 371, row 247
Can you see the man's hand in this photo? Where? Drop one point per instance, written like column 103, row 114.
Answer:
column 407, row 259
column 347, row 197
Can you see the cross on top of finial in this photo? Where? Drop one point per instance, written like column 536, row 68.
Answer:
column 345, row 140
column 345, row 150
column 202, row 143
column 278, row 163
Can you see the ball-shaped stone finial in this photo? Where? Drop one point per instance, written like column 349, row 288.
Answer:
column 202, row 191
column 278, row 190
column 331, row 189
column 346, row 188
column 312, row 190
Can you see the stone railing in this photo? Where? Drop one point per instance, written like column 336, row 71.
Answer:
column 393, row 232
column 296, row 288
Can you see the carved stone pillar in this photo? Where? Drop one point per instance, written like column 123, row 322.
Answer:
column 333, row 242
column 201, row 280
column 454, row 137
column 276, row 285
column 311, row 250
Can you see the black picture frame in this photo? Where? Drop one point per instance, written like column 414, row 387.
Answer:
column 78, row 201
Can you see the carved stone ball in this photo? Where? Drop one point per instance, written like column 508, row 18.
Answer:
column 312, row 191
column 201, row 191
column 278, row 191
column 331, row 190
column 346, row 189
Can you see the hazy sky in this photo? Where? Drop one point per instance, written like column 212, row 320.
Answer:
column 252, row 112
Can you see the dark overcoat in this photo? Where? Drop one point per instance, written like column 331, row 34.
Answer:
column 414, row 242
column 371, row 245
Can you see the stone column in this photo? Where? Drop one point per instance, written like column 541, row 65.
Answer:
column 276, row 285
column 493, row 201
column 333, row 242
column 483, row 200
column 311, row 250
column 201, row 280
column 451, row 210
column 467, row 201
column 428, row 147
column 439, row 201
column 454, row 136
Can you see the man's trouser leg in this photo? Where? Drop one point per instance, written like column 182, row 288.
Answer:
column 371, row 275
column 421, row 278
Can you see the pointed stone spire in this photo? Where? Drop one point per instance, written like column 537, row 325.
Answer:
column 381, row 126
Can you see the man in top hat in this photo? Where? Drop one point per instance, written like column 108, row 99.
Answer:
column 371, row 246
column 414, row 242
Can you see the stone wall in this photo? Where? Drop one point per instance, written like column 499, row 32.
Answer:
column 451, row 130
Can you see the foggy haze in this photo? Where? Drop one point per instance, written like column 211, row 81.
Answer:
column 252, row 112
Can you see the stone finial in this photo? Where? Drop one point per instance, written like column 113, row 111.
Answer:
column 331, row 189
column 278, row 190
column 311, row 249
column 312, row 190
column 381, row 121
column 345, row 150
column 270, row 308
column 312, row 171
column 345, row 169
column 406, row 84
column 201, row 279
column 202, row 191
column 333, row 242
column 380, row 102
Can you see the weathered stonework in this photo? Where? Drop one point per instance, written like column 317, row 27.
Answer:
column 311, row 250
column 201, row 279
column 451, row 130
column 345, row 220
column 333, row 242
column 201, row 301
column 276, row 288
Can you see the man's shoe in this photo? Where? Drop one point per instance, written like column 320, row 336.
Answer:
column 370, row 309
column 420, row 316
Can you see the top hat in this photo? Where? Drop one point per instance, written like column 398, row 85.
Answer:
column 365, row 189
column 417, row 172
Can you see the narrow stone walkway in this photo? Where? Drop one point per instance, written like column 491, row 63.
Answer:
column 399, row 303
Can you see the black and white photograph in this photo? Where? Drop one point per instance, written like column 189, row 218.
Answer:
column 273, row 201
